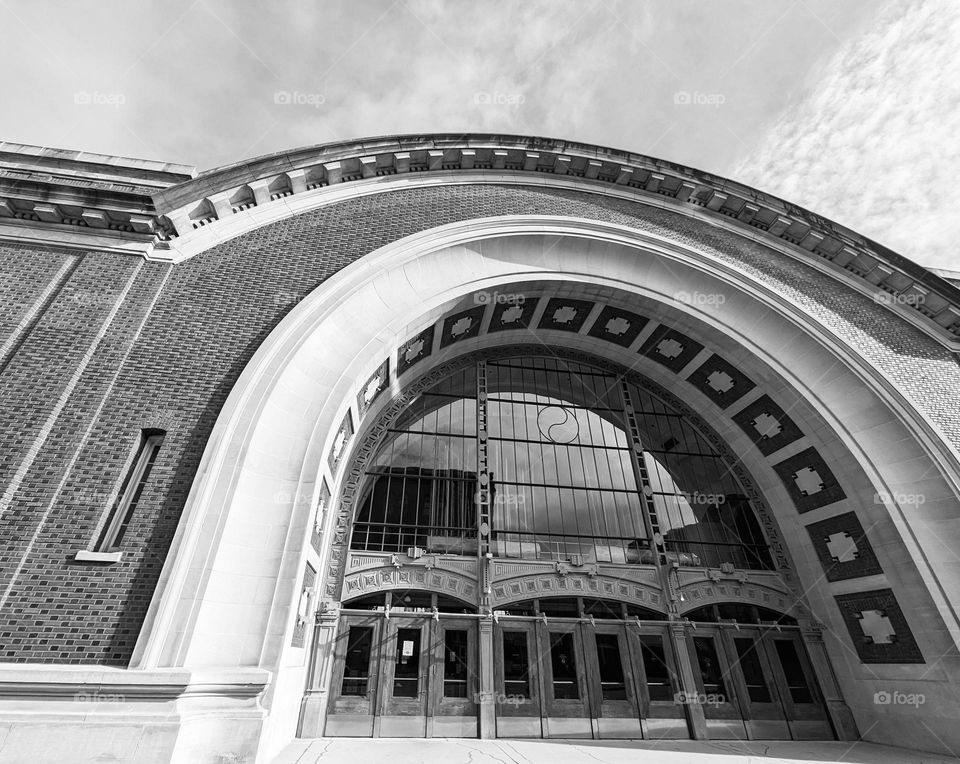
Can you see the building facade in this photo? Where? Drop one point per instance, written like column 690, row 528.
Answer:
column 459, row 436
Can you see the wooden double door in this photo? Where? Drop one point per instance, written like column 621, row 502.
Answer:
column 408, row 675
column 573, row 678
column 757, row 683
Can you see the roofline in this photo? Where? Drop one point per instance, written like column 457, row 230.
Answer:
column 184, row 213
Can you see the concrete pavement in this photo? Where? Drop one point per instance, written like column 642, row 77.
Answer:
column 459, row 751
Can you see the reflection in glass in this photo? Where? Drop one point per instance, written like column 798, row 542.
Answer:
column 406, row 670
column 516, row 665
column 356, row 664
column 752, row 670
column 455, row 663
column 563, row 482
column 564, row 665
column 612, row 684
column 655, row 668
column 793, row 671
column 710, row 672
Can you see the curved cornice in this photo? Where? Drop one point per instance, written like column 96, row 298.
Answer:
column 188, row 217
column 217, row 196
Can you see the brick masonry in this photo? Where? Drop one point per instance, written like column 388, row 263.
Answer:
column 181, row 337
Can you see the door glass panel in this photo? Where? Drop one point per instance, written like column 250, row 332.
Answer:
column 709, row 663
column 516, row 665
column 752, row 670
column 612, row 685
column 455, row 663
column 356, row 664
column 793, row 670
column 655, row 668
column 406, row 672
column 564, row 666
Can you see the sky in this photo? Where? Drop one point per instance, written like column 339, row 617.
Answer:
column 851, row 108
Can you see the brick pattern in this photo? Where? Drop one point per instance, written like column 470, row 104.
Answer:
column 809, row 481
column 415, row 350
column 879, row 603
column 461, row 326
column 513, row 314
column 775, row 429
column 721, row 381
column 670, row 348
column 617, row 325
column 565, row 314
column 211, row 315
column 865, row 562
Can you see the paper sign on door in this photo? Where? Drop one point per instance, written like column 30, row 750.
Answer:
column 407, row 648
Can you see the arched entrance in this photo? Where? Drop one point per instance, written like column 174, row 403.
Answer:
column 524, row 471
column 287, row 442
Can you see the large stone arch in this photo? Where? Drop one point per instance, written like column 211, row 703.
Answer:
column 260, row 477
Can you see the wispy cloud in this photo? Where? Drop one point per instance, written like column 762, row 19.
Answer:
column 874, row 145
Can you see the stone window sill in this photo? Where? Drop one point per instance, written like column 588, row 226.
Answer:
column 85, row 555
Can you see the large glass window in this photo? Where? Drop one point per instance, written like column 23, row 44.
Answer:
column 563, row 477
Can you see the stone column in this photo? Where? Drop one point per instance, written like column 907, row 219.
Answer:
column 488, row 696
column 839, row 712
column 688, row 690
column 313, row 708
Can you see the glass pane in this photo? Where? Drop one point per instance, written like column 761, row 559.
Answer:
column 612, row 685
column 455, row 663
column 406, row 672
column 356, row 664
column 516, row 665
column 564, row 664
column 793, row 670
column 752, row 670
column 655, row 668
column 710, row 671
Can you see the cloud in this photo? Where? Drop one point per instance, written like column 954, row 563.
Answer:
column 876, row 144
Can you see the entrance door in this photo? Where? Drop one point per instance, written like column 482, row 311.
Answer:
column 353, row 691
column 661, row 715
column 713, row 671
column 802, row 703
column 566, row 695
column 404, row 678
column 760, row 700
column 454, row 685
column 518, row 680
column 614, row 704
column 758, row 683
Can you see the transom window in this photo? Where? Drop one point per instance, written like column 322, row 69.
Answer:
column 564, row 481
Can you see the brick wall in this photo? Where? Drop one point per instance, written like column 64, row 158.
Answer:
column 180, row 338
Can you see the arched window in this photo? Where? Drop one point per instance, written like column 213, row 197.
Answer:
column 564, row 481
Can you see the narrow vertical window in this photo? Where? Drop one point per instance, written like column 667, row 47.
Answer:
column 130, row 492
